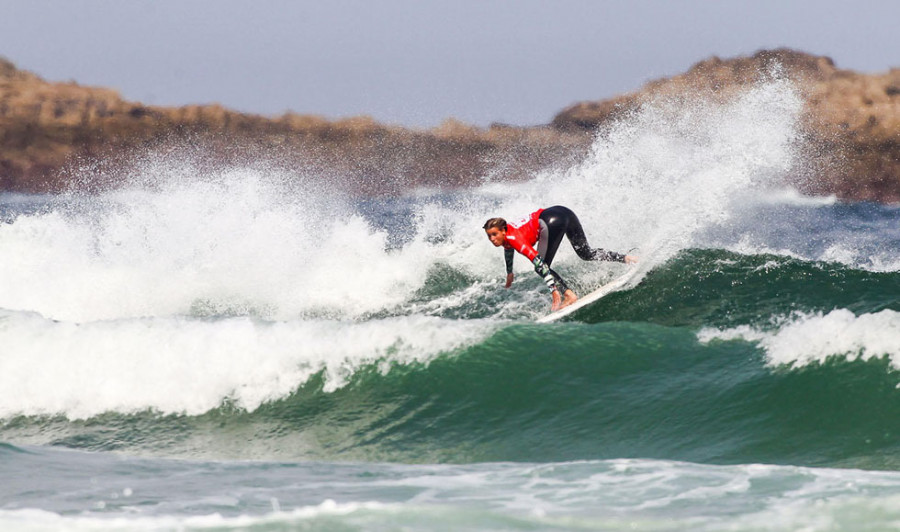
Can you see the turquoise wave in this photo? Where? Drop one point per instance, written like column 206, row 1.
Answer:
column 724, row 289
column 625, row 378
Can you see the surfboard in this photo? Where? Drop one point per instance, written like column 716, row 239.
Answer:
column 606, row 289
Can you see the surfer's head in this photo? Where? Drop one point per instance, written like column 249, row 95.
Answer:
column 495, row 228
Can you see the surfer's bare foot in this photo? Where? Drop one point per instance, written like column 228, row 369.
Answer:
column 557, row 301
column 568, row 298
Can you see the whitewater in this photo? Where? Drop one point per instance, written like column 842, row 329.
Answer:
column 249, row 348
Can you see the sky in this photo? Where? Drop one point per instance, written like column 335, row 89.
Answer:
column 417, row 63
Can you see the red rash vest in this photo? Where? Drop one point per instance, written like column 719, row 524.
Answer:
column 522, row 235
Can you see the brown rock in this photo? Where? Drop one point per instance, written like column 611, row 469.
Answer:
column 49, row 131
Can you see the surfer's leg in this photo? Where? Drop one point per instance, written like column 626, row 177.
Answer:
column 553, row 227
column 562, row 221
column 579, row 241
column 576, row 236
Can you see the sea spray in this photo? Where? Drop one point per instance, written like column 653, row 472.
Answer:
column 659, row 176
column 233, row 242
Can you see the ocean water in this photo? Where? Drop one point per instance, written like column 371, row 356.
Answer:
column 253, row 349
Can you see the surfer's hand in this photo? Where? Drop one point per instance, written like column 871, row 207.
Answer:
column 630, row 259
column 509, row 280
column 557, row 300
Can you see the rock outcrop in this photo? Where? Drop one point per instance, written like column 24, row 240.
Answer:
column 51, row 132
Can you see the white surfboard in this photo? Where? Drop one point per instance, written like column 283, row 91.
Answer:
column 608, row 288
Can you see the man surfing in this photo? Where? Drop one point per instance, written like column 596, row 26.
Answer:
column 546, row 227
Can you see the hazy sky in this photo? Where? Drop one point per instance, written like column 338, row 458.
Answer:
column 419, row 62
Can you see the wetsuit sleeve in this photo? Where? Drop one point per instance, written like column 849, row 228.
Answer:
column 551, row 278
column 508, row 254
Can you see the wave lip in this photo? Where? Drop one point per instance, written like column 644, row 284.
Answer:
column 190, row 366
column 807, row 339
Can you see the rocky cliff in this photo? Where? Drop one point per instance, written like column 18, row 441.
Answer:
column 51, row 132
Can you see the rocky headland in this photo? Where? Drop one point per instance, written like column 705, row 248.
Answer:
column 63, row 136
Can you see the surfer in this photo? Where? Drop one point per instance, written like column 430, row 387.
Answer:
column 546, row 227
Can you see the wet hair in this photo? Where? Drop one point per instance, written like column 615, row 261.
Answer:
column 499, row 223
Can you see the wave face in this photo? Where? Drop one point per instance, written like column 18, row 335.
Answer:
column 715, row 357
column 255, row 314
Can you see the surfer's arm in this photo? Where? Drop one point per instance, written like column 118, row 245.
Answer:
column 552, row 279
column 508, row 254
column 556, row 285
column 541, row 268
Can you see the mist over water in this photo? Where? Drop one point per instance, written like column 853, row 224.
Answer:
column 257, row 314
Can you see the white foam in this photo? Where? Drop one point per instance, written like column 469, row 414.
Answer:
column 803, row 339
column 175, row 365
column 237, row 240
column 607, row 495
column 39, row 520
